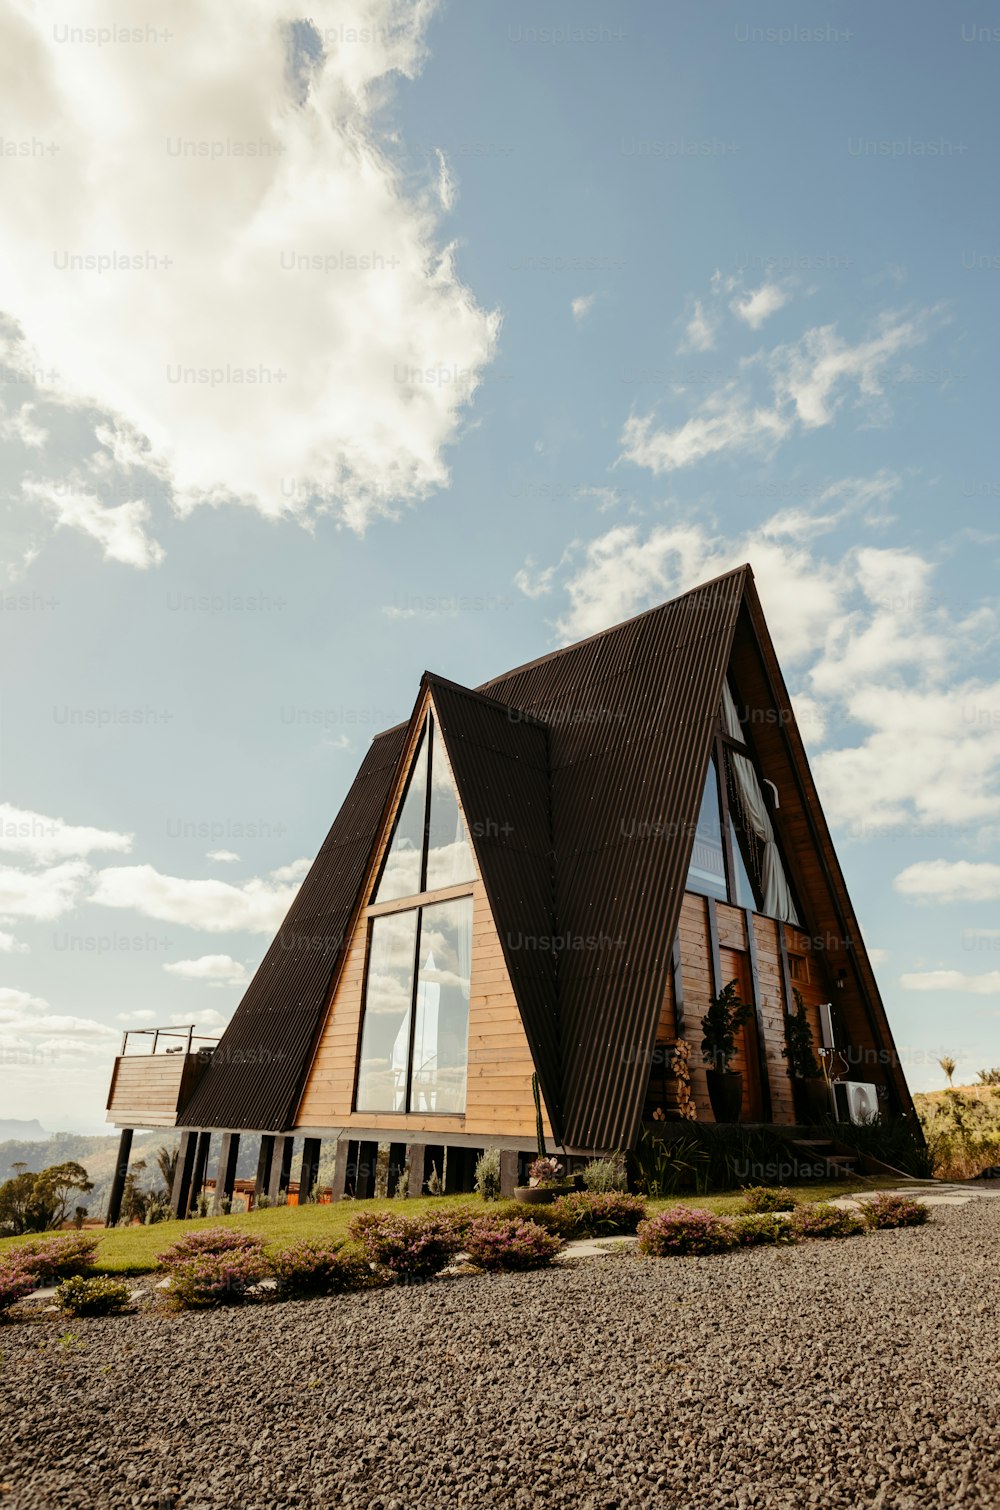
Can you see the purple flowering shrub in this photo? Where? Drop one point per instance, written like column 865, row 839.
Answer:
column 684, row 1229
column 510, row 1243
column 410, row 1247
column 823, row 1219
column 15, row 1284
column 604, row 1213
column 553, row 1217
column 761, row 1198
column 210, row 1240
column 761, row 1228
column 50, row 1259
column 216, row 1279
column 894, row 1211
column 310, row 1268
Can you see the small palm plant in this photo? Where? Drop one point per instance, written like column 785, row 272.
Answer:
column 949, row 1066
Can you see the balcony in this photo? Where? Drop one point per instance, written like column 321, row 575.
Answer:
column 154, row 1075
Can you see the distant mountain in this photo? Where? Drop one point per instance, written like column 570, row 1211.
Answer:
column 26, row 1131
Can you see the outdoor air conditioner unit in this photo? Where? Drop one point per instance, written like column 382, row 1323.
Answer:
column 857, row 1101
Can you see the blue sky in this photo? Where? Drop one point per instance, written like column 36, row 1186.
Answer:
column 436, row 336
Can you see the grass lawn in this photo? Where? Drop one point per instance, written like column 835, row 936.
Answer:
column 133, row 1250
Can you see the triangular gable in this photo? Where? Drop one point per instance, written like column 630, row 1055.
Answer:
column 499, row 758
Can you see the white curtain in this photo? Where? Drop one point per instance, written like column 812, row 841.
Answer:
column 777, row 901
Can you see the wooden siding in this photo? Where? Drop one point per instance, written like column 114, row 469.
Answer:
column 147, row 1089
column 498, row 1097
column 699, row 986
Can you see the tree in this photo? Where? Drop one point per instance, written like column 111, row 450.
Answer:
column 40, row 1202
column 989, row 1077
column 166, row 1163
column 134, row 1200
column 948, row 1065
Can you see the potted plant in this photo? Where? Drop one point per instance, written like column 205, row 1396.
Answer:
column 545, row 1179
column 720, row 1024
column 809, row 1085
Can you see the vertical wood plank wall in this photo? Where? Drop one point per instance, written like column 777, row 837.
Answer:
column 498, row 1100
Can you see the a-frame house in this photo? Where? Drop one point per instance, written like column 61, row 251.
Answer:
column 553, row 872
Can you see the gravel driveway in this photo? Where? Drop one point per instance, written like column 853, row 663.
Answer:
column 852, row 1373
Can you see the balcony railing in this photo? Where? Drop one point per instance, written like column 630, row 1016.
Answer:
column 155, row 1074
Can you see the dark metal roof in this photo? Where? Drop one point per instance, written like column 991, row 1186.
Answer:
column 256, row 1073
column 500, row 761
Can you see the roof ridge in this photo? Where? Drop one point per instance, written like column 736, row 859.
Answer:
column 746, row 570
column 432, row 679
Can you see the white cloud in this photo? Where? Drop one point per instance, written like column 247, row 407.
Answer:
column 877, row 956
column 293, row 871
column 22, row 426
column 306, row 344
column 909, row 742
column 700, row 331
column 532, row 582
column 43, row 839
column 24, row 1014
column 212, row 969
column 257, row 906
column 953, row 980
column 120, row 530
column 950, row 881
column 11, row 945
column 141, row 1014
column 756, row 306
column 582, row 306
column 222, row 856
column 806, row 383
column 42, row 895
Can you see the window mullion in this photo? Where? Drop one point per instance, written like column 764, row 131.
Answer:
column 427, row 802
column 413, row 1010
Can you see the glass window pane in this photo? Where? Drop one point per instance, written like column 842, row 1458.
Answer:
column 441, row 1033
column 745, row 893
column 385, row 1037
column 707, row 874
column 449, row 854
column 401, row 876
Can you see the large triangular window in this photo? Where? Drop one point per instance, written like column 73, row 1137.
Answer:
column 736, row 857
column 413, row 1054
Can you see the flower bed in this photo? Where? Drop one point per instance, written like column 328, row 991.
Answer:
column 760, row 1198
column 590, row 1213
column 762, row 1229
column 496, row 1242
column 894, row 1211
column 826, row 1220
column 309, row 1268
column 50, row 1259
column 99, row 1296
column 685, row 1229
column 411, row 1248
column 216, row 1279
column 15, row 1284
column 212, row 1240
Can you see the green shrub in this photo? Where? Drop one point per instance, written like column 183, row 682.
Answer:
column 664, row 1166
column 823, row 1219
column 98, row 1296
column 886, row 1210
column 758, row 1198
column 311, row 1268
column 497, row 1243
column 211, row 1240
column 591, row 1213
column 50, row 1259
column 216, row 1279
column 488, row 1174
column 684, row 1230
column 553, row 1217
column 762, row 1228
column 899, row 1141
column 602, row 1175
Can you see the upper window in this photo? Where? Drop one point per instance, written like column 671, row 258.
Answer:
column 415, row 1029
column 430, row 847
